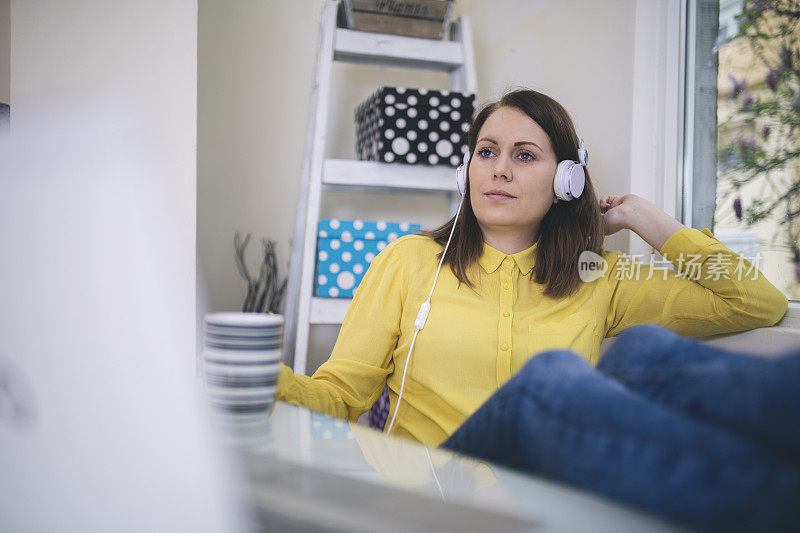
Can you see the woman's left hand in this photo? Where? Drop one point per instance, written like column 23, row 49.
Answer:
column 638, row 215
column 617, row 212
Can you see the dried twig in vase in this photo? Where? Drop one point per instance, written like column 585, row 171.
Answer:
column 264, row 293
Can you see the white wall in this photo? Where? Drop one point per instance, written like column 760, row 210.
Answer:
column 99, row 227
column 255, row 63
column 256, row 66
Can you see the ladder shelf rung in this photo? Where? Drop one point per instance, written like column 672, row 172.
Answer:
column 396, row 50
column 392, row 176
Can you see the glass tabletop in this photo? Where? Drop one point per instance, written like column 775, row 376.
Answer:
column 365, row 467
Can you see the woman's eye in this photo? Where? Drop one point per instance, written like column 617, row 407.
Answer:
column 485, row 152
column 525, row 156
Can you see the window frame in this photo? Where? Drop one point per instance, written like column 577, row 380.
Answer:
column 690, row 195
column 665, row 41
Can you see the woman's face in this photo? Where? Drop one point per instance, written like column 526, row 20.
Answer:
column 511, row 174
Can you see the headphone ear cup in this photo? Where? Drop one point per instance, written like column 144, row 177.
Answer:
column 569, row 181
column 577, row 180
column 461, row 175
column 560, row 182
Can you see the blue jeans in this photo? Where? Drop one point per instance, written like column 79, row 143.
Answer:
column 698, row 435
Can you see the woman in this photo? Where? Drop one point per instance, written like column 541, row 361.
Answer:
column 511, row 286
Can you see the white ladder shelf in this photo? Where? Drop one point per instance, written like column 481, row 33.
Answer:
column 453, row 56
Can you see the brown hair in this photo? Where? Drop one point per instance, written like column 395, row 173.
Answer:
column 566, row 230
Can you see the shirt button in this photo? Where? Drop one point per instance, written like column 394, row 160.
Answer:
column 506, row 314
column 507, row 286
column 504, row 347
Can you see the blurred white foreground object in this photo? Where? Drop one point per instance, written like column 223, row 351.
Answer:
column 101, row 424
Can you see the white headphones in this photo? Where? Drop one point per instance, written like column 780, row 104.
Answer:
column 568, row 183
column 461, row 174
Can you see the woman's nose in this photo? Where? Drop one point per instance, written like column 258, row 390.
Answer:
column 502, row 168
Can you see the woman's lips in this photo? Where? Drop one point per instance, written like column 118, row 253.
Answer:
column 499, row 195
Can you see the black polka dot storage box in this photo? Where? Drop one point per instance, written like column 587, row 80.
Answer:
column 414, row 126
column 345, row 249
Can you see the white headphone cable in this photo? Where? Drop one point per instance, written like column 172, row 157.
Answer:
column 422, row 316
column 433, row 471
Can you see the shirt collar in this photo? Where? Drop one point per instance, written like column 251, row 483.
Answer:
column 491, row 258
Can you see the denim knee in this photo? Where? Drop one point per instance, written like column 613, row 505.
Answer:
column 755, row 397
column 498, row 430
column 553, row 377
column 542, row 369
column 633, row 344
column 561, row 361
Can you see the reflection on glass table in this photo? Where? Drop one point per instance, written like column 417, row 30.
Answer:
column 309, row 471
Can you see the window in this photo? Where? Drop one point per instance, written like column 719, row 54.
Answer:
column 746, row 163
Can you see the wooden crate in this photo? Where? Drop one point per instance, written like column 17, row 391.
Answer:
column 414, row 18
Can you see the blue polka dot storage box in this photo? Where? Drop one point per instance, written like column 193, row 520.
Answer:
column 345, row 248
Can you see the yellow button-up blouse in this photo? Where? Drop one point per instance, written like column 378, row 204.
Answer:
column 474, row 340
